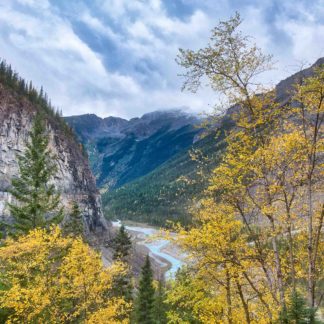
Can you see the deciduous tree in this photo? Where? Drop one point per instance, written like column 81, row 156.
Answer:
column 49, row 278
column 267, row 181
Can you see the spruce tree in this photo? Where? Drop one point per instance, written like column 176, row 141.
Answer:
column 74, row 224
column 36, row 200
column 160, row 308
column 122, row 244
column 298, row 312
column 145, row 299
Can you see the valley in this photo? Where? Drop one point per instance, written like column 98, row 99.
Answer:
column 161, row 250
column 150, row 177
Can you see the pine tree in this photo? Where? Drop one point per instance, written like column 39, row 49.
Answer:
column 160, row 305
column 74, row 225
column 145, row 299
column 37, row 201
column 121, row 244
column 123, row 283
column 298, row 312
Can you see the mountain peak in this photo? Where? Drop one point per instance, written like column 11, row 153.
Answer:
column 173, row 112
column 285, row 86
column 91, row 126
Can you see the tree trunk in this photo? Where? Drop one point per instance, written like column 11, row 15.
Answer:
column 311, row 265
column 244, row 303
column 291, row 246
column 278, row 267
column 229, row 298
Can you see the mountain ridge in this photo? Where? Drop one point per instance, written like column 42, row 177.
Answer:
column 100, row 127
column 122, row 150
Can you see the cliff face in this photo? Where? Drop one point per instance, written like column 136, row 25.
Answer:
column 74, row 178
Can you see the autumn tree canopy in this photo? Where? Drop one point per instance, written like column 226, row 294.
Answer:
column 49, row 278
column 258, row 236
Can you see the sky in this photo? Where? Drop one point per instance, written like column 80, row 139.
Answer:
column 117, row 57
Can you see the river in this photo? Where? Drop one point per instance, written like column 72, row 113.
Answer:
column 159, row 248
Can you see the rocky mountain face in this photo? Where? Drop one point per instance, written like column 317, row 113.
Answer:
column 284, row 87
column 121, row 151
column 74, row 178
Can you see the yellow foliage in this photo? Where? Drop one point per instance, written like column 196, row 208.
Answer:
column 250, row 247
column 225, row 265
column 258, row 233
column 55, row 279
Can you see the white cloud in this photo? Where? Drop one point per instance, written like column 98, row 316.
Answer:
column 95, row 24
column 42, row 42
column 39, row 4
column 72, row 68
column 305, row 29
column 307, row 40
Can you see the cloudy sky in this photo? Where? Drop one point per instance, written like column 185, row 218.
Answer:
column 116, row 57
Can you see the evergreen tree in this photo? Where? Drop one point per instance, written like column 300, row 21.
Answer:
column 123, row 283
column 298, row 312
column 74, row 225
column 145, row 299
column 121, row 244
column 37, row 201
column 160, row 305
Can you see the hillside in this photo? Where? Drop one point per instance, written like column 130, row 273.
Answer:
column 121, row 151
column 167, row 192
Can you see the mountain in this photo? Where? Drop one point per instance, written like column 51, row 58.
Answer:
column 121, row 151
column 138, row 163
column 18, row 105
column 168, row 192
column 170, row 187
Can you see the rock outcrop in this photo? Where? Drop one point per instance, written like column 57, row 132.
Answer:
column 74, row 178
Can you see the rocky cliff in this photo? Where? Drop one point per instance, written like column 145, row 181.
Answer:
column 74, row 178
